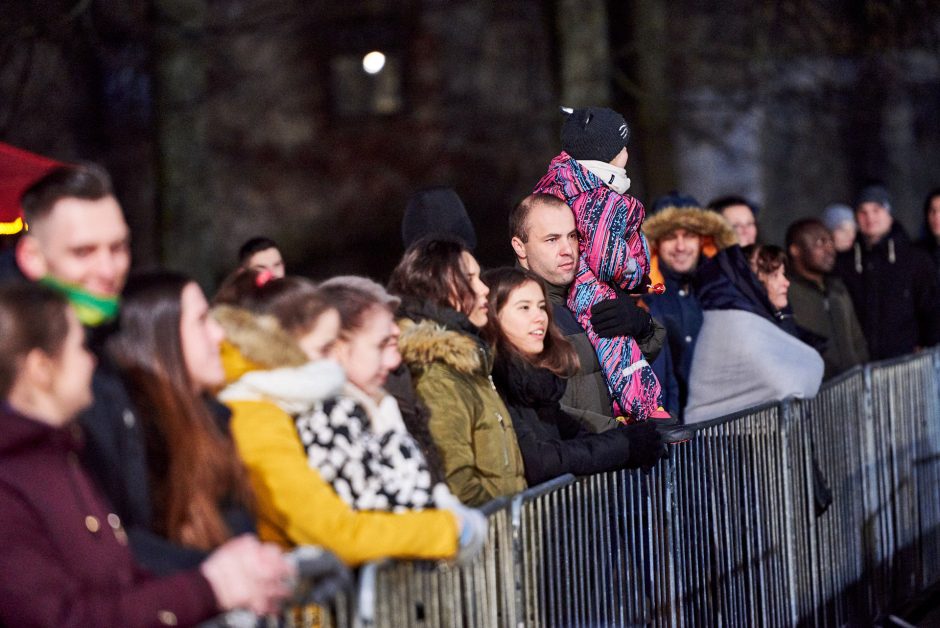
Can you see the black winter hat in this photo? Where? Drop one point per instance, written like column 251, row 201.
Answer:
column 593, row 133
column 437, row 211
column 674, row 199
column 874, row 194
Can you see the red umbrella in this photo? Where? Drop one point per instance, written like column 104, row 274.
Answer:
column 19, row 169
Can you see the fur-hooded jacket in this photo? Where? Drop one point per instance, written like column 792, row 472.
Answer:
column 360, row 446
column 678, row 308
column 469, row 422
column 614, row 253
column 716, row 232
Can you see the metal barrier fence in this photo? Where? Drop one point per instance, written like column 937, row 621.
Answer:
column 806, row 512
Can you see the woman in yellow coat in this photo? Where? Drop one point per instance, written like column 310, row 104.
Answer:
column 276, row 332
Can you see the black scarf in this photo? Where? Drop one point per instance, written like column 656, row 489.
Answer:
column 418, row 310
column 524, row 384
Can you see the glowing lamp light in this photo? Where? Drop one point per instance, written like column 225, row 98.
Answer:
column 373, row 62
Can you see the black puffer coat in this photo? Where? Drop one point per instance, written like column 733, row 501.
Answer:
column 552, row 442
column 895, row 291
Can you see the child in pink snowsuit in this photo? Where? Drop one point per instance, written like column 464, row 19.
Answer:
column 589, row 176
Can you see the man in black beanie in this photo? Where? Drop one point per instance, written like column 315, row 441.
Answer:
column 437, row 211
column 892, row 284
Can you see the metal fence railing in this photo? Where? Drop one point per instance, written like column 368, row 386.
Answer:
column 821, row 512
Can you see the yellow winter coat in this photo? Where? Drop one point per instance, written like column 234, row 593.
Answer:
column 295, row 505
column 469, row 421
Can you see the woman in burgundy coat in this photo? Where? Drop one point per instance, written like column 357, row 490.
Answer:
column 64, row 559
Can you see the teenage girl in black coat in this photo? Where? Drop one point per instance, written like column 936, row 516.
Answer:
column 532, row 361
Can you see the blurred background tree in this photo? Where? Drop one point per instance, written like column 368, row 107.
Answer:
column 224, row 119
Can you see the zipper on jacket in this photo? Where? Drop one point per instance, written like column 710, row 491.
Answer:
column 502, row 424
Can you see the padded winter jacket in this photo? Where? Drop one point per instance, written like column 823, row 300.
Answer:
column 895, row 291
column 827, row 311
column 553, row 443
column 613, row 253
column 469, row 422
column 295, row 505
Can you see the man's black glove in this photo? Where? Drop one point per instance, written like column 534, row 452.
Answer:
column 620, row 317
column 647, row 446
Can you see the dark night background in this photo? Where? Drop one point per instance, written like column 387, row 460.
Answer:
column 223, row 119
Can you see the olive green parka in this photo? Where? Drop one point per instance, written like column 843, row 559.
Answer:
column 469, row 422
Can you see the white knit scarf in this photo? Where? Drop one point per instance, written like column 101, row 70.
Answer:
column 614, row 178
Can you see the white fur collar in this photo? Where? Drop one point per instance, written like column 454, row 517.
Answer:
column 293, row 389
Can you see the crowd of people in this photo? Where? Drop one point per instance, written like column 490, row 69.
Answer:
column 163, row 453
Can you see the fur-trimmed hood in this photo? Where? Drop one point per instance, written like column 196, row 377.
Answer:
column 426, row 342
column 254, row 342
column 717, row 233
column 707, row 224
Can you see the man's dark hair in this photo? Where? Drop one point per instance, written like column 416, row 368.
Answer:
column 85, row 181
column 798, row 228
column 722, row 202
column 254, row 245
column 519, row 216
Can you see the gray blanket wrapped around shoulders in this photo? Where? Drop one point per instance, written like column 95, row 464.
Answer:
column 743, row 360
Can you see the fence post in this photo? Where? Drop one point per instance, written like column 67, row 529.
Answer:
column 365, row 602
column 786, row 418
column 518, row 557
column 871, row 532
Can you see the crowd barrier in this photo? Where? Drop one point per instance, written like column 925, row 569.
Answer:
column 819, row 512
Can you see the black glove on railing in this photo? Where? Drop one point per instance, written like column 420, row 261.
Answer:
column 620, row 317
column 647, row 446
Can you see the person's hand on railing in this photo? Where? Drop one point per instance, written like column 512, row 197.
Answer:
column 320, row 575
column 247, row 574
column 647, row 446
column 471, row 523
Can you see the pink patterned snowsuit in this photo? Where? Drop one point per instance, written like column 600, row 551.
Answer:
column 613, row 252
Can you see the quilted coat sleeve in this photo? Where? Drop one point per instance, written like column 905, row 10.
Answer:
column 296, row 506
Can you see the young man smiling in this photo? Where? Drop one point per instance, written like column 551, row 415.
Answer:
column 680, row 234
column 79, row 243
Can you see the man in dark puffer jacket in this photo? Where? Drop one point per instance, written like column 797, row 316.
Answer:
column 892, row 283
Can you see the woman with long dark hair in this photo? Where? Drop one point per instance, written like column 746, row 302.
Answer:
column 64, row 555
column 533, row 360
column 443, row 308
column 167, row 350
